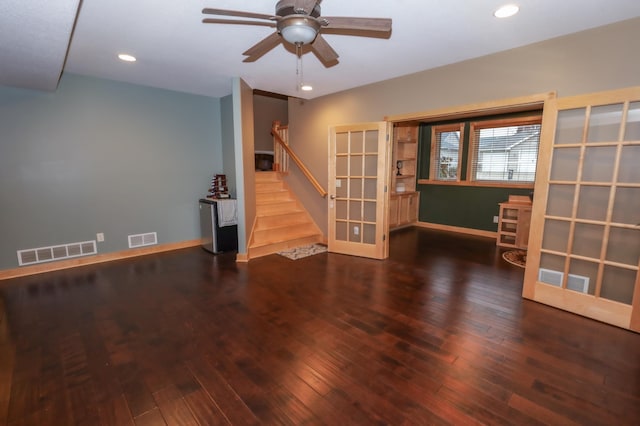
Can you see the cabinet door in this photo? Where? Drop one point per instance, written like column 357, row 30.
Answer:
column 403, row 211
column 393, row 211
column 414, row 200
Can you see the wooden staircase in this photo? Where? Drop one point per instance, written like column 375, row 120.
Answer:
column 281, row 220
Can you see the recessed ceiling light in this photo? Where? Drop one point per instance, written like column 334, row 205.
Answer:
column 126, row 58
column 506, row 11
column 306, row 87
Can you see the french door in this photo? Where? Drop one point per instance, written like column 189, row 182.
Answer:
column 586, row 257
column 358, row 201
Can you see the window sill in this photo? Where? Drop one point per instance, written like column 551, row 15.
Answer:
column 476, row 183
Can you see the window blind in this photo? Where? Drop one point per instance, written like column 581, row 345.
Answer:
column 504, row 153
column 446, row 150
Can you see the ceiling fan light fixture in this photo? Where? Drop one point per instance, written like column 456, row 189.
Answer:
column 506, row 11
column 298, row 29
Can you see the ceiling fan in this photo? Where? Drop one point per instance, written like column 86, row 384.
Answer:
column 299, row 23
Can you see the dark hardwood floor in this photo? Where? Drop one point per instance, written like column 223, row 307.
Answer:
column 437, row 334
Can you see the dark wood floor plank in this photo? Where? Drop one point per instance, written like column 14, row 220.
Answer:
column 115, row 411
column 436, row 334
column 204, row 410
column 175, row 411
column 150, row 418
column 218, row 390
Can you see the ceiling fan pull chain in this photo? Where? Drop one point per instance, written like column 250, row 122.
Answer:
column 299, row 79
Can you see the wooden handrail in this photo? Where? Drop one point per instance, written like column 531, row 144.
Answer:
column 294, row 157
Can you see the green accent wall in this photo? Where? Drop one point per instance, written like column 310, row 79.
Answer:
column 463, row 206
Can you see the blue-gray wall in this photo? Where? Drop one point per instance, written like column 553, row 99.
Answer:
column 228, row 149
column 101, row 156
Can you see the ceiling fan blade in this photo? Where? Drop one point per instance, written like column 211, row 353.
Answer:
column 363, row 24
column 306, row 5
column 263, row 46
column 324, row 51
column 224, row 12
column 237, row 21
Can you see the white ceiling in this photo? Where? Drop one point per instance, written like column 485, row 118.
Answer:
column 176, row 51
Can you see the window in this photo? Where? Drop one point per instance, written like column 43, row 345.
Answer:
column 504, row 151
column 500, row 150
column 446, row 152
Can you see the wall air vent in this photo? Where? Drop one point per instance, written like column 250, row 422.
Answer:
column 578, row 283
column 574, row 282
column 141, row 240
column 549, row 276
column 60, row 252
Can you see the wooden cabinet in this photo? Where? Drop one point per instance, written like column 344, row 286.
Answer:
column 514, row 222
column 403, row 209
column 404, row 199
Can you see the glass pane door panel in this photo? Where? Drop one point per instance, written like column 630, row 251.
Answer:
column 371, row 141
column 370, row 165
column 370, row 188
column 341, row 191
column 570, row 127
column 560, row 200
column 624, row 246
column 355, row 188
column 369, row 212
column 604, row 124
column 564, row 165
column 629, row 164
column 341, row 210
column 551, row 269
column 587, row 240
column 355, row 234
column 342, row 143
column 598, row 164
column 357, row 142
column 355, row 210
column 582, row 276
column 626, row 207
column 593, row 202
column 632, row 130
column 342, row 166
column 368, row 233
column 357, row 168
column 341, row 231
column 618, row 284
column 556, row 235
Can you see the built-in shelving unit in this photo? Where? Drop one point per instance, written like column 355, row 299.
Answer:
column 403, row 202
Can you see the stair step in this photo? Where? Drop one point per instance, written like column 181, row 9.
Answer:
column 273, row 196
column 280, row 223
column 268, row 177
column 266, row 208
column 283, row 233
column 265, row 250
column 269, row 186
column 281, row 219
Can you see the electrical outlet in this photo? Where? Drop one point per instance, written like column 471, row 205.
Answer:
column 495, row 219
column 100, row 237
column 356, row 230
